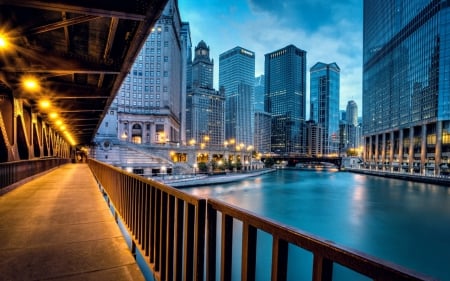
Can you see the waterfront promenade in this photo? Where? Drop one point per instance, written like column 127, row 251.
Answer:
column 440, row 180
column 214, row 179
column 59, row 227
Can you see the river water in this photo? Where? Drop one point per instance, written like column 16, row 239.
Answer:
column 402, row 222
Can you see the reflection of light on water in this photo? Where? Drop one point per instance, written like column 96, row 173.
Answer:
column 358, row 204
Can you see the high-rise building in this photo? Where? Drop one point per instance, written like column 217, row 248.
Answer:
column 149, row 102
column 204, row 105
column 324, row 110
column 314, row 139
column 406, row 92
column 285, row 98
column 237, row 77
column 186, row 57
column 351, row 126
column 263, row 120
column 351, row 113
column 259, row 93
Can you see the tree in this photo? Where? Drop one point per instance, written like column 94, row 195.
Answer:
column 202, row 167
column 269, row 162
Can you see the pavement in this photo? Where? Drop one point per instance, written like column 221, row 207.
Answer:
column 59, row 227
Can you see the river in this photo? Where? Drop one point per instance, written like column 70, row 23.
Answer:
column 403, row 222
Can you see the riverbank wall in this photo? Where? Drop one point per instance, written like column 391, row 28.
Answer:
column 207, row 180
column 439, row 180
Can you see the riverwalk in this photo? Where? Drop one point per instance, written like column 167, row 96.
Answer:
column 439, row 180
column 59, row 227
column 214, row 179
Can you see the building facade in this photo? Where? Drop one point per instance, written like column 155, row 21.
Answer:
column 150, row 100
column 285, row 98
column 314, row 134
column 237, row 77
column 324, row 110
column 263, row 119
column 204, row 105
column 406, row 58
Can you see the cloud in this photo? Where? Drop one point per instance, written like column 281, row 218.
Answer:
column 327, row 32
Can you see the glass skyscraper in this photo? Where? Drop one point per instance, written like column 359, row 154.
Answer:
column 406, row 93
column 324, row 110
column 237, row 77
column 285, row 98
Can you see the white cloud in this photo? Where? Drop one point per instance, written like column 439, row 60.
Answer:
column 339, row 40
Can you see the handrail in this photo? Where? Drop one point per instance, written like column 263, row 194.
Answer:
column 177, row 234
column 13, row 172
column 166, row 225
column 325, row 253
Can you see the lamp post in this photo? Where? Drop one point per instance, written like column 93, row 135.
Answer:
column 195, row 169
column 163, row 171
column 249, row 151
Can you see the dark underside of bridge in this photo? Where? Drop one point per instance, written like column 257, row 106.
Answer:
column 292, row 161
column 79, row 50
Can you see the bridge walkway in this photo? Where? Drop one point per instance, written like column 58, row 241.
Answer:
column 59, row 227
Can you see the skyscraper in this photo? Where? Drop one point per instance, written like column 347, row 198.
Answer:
column 237, row 77
column 186, row 81
column 405, row 84
column 324, row 91
column 263, row 119
column 204, row 105
column 351, row 113
column 285, row 98
column 351, row 126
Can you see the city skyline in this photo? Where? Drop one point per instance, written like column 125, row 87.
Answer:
column 327, row 32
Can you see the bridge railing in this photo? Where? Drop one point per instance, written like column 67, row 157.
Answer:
column 325, row 254
column 13, row 172
column 178, row 235
column 166, row 225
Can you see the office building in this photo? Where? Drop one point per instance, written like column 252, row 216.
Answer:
column 285, row 98
column 314, row 139
column 186, row 81
column 324, row 110
column 204, row 106
column 149, row 102
column 237, row 77
column 406, row 92
column 259, row 94
column 351, row 126
column 263, row 120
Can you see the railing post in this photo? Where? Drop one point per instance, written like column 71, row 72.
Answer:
column 170, row 238
column 211, row 245
column 226, row 248
column 249, row 239
column 199, row 250
column 279, row 259
column 322, row 269
column 189, row 242
column 179, row 221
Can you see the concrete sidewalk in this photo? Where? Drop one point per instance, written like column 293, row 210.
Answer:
column 59, row 227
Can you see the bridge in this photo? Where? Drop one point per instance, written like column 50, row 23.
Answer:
column 293, row 160
column 59, row 219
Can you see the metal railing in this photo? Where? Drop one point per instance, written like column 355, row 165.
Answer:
column 13, row 172
column 177, row 233
column 166, row 225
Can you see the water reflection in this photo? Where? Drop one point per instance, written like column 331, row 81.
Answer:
column 403, row 222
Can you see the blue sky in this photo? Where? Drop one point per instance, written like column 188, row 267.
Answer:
column 329, row 31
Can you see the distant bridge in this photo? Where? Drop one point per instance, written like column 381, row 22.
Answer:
column 294, row 160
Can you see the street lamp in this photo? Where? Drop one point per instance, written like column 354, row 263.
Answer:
column 163, row 171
